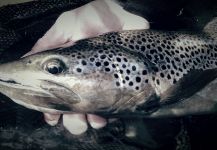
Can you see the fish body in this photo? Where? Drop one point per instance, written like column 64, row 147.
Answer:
column 129, row 71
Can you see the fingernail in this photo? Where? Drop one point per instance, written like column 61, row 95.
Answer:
column 51, row 119
column 96, row 122
column 75, row 123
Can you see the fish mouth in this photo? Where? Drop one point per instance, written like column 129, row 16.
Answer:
column 32, row 97
column 9, row 81
column 12, row 84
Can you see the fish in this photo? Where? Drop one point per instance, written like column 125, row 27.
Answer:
column 128, row 72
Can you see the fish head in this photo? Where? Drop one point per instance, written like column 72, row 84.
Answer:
column 83, row 78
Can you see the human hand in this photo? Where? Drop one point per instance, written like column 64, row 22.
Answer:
column 90, row 20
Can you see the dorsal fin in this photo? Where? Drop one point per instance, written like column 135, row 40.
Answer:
column 211, row 28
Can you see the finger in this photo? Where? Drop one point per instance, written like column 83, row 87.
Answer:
column 52, row 39
column 96, row 122
column 75, row 123
column 134, row 22
column 128, row 21
column 51, row 119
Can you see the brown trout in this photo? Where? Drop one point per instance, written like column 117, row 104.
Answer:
column 120, row 72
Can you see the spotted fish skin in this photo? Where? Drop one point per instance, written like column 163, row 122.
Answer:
column 171, row 55
column 127, row 71
column 168, row 57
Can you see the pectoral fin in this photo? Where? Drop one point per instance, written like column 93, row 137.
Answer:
column 191, row 83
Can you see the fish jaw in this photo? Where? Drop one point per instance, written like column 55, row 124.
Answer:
column 21, row 83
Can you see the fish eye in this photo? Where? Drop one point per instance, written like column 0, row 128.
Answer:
column 54, row 66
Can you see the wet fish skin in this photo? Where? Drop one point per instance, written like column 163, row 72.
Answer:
column 127, row 71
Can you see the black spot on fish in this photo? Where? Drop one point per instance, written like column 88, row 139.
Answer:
column 113, row 66
column 149, row 40
column 161, row 56
column 125, row 59
column 158, row 81
column 144, row 72
column 182, row 56
column 117, row 83
column 115, row 75
column 131, row 46
column 79, row 70
column 84, row 62
column 153, row 51
column 138, row 79
column 139, row 42
column 143, row 40
column 130, row 83
column 110, row 55
column 137, row 47
column 162, row 75
column 163, row 67
column 92, row 59
column 168, row 77
column 134, row 68
column 98, row 64
column 106, row 63
column 107, row 69
column 124, row 66
column 128, row 71
column 174, row 81
column 103, row 56
column 120, row 54
column 172, row 72
column 118, row 59
column 142, row 48
column 149, row 56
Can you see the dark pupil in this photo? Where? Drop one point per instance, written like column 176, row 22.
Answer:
column 54, row 69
